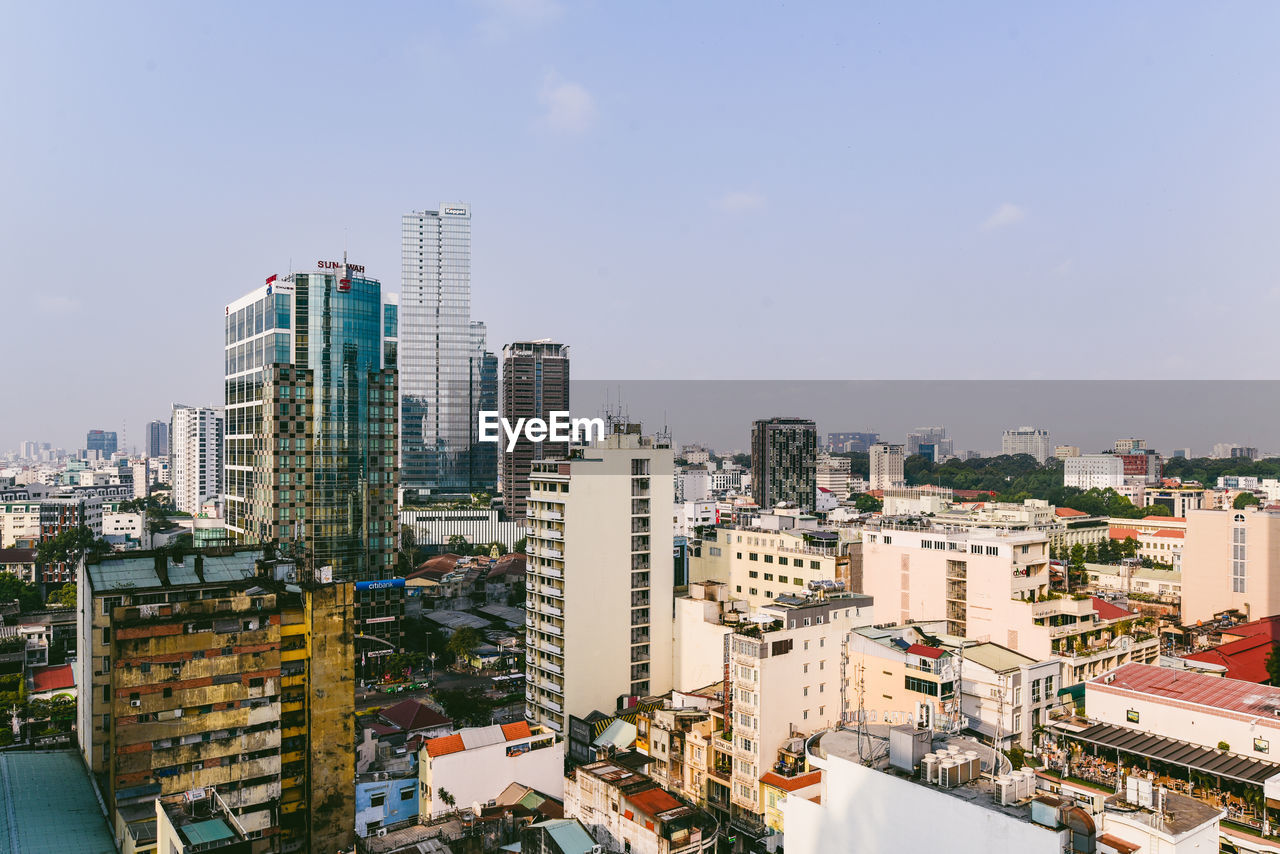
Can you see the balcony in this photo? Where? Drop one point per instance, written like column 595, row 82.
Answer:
column 544, row 608
column 549, row 572
column 547, row 551
column 550, row 534
column 547, row 646
column 551, row 667
column 1065, row 606
column 548, row 590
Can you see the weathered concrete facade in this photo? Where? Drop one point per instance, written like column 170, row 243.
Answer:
column 221, row 671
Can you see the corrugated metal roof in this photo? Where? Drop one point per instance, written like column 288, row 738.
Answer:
column 203, row 832
column 47, row 804
column 1216, row 692
column 569, row 835
column 139, row 573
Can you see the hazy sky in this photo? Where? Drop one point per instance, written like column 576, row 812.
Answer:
column 709, row 190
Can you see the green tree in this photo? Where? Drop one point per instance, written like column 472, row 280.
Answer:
column 1078, row 554
column 521, row 545
column 1273, row 665
column 446, row 798
column 468, row 708
column 867, row 503
column 1245, row 499
column 64, row 596
column 13, row 588
column 458, row 545
column 1091, row 553
column 1106, row 551
column 464, row 641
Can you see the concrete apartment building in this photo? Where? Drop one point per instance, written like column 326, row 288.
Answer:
column 535, row 383
column 1231, row 559
column 783, row 678
column 994, row 586
column 1026, row 440
column 765, row 562
column 887, row 466
column 599, row 577
column 224, row 670
column 196, row 447
column 918, row 674
column 624, row 810
column 833, row 473
column 476, row 763
column 784, row 453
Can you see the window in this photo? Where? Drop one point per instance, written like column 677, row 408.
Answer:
column 1239, row 556
column 813, row 564
column 753, row 574
column 768, row 558
column 406, row 794
column 378, row 800
column 256, row 682
column 768, row 576
column 782, row 579
column 753, row 556
column 782, row 561
column 921, row 686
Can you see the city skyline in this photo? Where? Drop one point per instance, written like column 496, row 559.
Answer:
column 888, row 156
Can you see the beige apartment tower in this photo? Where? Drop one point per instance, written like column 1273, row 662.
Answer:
column 600, row 577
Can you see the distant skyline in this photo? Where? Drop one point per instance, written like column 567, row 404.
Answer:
column 888, row 191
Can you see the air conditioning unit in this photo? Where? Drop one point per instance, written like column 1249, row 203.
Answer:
column 137, row 704
column 382, row 831
column 597, row 849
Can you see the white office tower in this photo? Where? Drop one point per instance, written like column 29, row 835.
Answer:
column 195, row 450
column 600, row 577
column 442, row 357
column 1027, row 440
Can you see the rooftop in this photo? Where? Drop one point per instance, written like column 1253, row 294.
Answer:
column 474, row 737
column 411, row 715
column 56, row 678
column 1244, row 659
column 48, row 804
column 1215, row 692
column 142, row 572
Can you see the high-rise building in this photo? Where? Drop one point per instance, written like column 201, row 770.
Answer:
column 102, row 441
column 535, row 383
column 887, row 466
column 1027, row 440
column 443, row 359
column 226, row 670
column 943, row 447
column 196, row 449
column 601, row 575
column 784, row 462
column 843, row 443
column 157, row 439
column 311, row 430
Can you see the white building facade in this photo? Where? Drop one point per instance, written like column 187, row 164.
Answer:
column 195, row 441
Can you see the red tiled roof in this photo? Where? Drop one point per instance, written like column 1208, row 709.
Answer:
column 17, row 555
column 926, row 651
column 520, row 729
column 1216, row 692
column 1269, row 626
column 654, row 801
column 1123, row 533
column 1164, row 518
column 1069, row 511
column 54, row 678
column 410, row 715
column 445, row 745
column 791, row 784
column 1107, row 611
column 1245, row 659
column 1177, row 535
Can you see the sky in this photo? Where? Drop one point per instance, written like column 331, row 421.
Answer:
column 718, row 190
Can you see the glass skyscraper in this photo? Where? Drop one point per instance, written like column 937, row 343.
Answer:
column 444, row 366
column 311, row 425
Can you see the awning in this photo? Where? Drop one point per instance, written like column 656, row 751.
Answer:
column 1172, row 752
